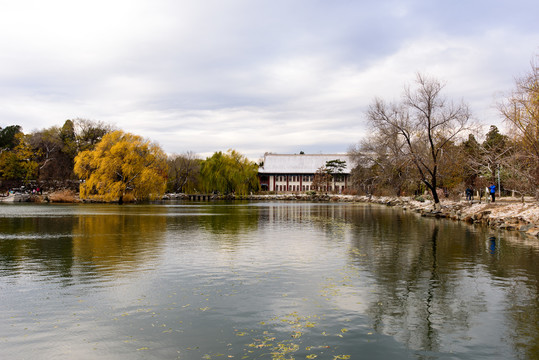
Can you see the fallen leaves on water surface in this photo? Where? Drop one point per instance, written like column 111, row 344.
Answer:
column 282, row 350
column 285, row 341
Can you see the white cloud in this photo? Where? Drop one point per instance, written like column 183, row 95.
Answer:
column 255, row 76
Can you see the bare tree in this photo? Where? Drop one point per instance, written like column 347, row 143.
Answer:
column 380, row 166
column 183, row 171
column 425, row 122
column 89, row 132
column 521, row 111
column 321, row 179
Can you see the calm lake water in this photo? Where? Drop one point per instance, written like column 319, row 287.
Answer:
column 261, row 281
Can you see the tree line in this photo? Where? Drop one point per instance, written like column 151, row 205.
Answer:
column 107, row 164
column 426, row 142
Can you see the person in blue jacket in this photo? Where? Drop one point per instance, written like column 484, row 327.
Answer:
column 492, row 190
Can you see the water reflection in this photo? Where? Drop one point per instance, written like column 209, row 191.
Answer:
column 229, row 220
column 437, row 286
column 72, row 241
column 209, row 280
column 121, row 243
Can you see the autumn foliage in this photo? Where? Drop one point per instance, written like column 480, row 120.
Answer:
column 122, row 167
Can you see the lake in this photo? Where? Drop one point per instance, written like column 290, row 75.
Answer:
column 261, row 280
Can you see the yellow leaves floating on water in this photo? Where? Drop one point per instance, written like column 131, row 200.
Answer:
column 285, row 347
column 266, row 342
column 296, row 320
column 282, row 350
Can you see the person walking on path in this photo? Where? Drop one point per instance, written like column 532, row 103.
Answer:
column 469, row 194
column 492, row 190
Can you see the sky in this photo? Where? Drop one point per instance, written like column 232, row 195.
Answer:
column 257, row 76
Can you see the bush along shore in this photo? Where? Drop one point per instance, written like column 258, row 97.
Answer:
column 504, row 214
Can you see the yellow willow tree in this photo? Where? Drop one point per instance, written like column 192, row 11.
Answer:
column 122, row 167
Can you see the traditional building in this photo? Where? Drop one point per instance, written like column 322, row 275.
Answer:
column 295, row 173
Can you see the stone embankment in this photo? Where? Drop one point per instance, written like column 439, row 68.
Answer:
column 506, row 213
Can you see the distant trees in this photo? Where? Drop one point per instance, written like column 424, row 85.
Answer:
column 485, row 162
column 114, row 165
column 325, row 176
column 8, row 139
column 183, row 172
column 19, row 163
column 122, row 167
column 425, row 139
column 54, row 162
column 47, row 154
column 229, row 172
column 56, row 147
column 520, row 110
column 382, row 166
column 422, row 142
column 321, row 180
column 418, row 129
column 87, row 133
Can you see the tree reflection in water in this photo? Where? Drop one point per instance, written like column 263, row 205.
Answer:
column 440, row 288
column 436, row 292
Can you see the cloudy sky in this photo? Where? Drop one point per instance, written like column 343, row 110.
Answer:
column 257, row 76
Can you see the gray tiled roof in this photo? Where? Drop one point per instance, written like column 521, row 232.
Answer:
column 299, row 164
